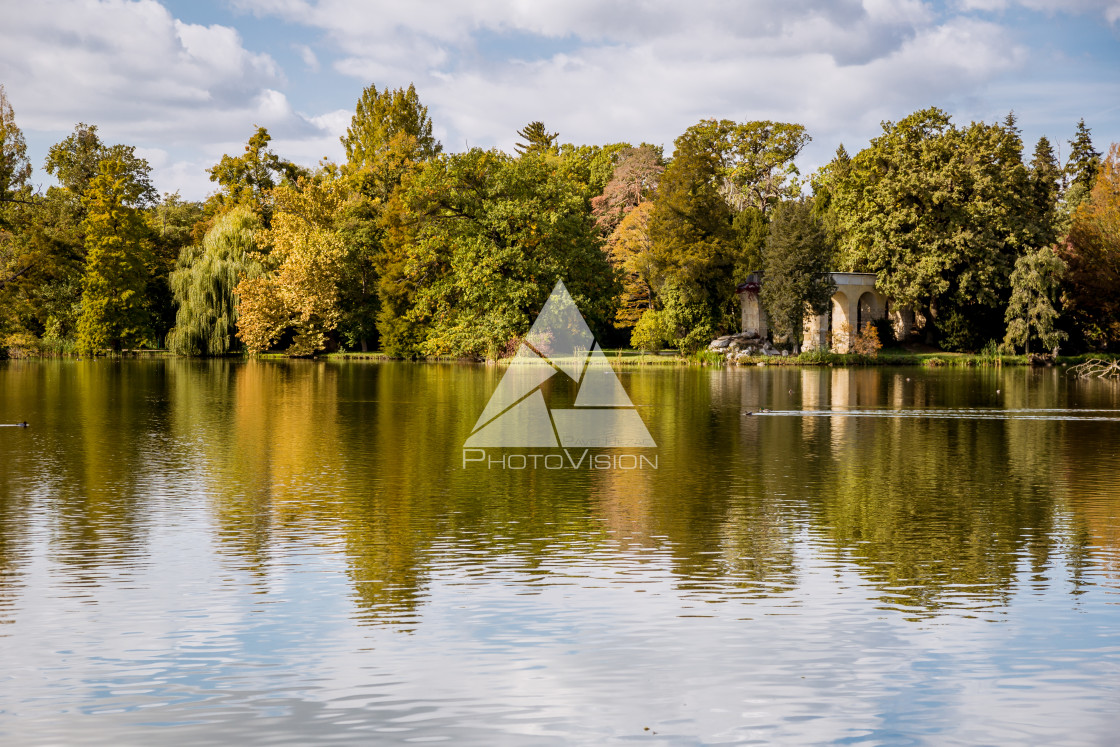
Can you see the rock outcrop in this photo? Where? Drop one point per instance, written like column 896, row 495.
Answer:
column 743, row 345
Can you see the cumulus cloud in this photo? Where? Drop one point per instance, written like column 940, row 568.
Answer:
column 1107, row 9
column 638, row 70
column 646, row 70
column 142, row 76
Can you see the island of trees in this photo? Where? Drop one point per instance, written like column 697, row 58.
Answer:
column 412, row 251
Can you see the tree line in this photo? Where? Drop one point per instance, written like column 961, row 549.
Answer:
column 416, row 252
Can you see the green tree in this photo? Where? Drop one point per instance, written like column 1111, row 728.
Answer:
column 1034, row 291
column 796, row 261
column 381, row 116
column 15, row 169
column 1082, row 166
column 170, row 224
column 249, row 179
column 760, row 164
column 1045, row 185
column 204, row 284
column 476, row 242
column 114, row 312
column 74, row 160
column 940, row 214
column 652, row 331
column 591, row 165
column 389, row 138
column 537, row 139
column 693, row 243
column 751, row 227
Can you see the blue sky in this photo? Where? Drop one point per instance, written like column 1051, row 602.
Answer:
column 186, row 81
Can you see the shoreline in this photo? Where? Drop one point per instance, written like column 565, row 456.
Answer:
column 633, row 359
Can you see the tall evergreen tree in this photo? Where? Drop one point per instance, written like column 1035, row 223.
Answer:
column 796, row 260
column 1045, row 184
column 1083, row 164
column 537, row 139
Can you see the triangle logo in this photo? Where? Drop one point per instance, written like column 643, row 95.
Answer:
column 559, row 343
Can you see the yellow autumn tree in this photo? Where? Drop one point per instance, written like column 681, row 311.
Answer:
column 1092, row 255
column 300, row 291
column 629, row 250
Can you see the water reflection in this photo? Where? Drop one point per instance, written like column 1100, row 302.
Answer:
column 936, row 511
column 302, row 508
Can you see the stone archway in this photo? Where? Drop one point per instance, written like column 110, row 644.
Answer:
column 855, row 302
column 868, row 309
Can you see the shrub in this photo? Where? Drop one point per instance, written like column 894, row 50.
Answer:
column 651, row 332
column 866, row 342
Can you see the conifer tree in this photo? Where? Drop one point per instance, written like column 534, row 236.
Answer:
column 537, row 139
column 796, row 280
column 1083, row 164
column 1044, row 184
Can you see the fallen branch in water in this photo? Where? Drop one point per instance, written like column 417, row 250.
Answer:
column 1096, row 368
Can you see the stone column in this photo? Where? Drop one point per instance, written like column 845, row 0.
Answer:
column 816, row 332
column 754, row 316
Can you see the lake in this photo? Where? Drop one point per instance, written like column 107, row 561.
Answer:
column 298, row 552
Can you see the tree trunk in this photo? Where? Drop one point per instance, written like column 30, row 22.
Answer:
column 931, row 321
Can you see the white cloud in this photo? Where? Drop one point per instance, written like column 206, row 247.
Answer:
column 645, row 71
column 596, row 72
column 1107, row 9
column 142, row 76
column 310, row 59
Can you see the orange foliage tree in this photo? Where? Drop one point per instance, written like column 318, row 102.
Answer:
column 1092, row 253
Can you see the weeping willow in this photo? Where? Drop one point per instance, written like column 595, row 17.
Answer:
column 204, row 282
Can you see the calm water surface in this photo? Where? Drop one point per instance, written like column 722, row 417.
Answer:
column 292, row 552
